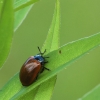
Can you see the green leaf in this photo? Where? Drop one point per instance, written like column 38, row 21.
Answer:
column 20, row 15
column 20, row 4
column 1, row 5
column 6, row 29
column 94, row 94
column 59, row 59
column 52, row 40
column 45, row 90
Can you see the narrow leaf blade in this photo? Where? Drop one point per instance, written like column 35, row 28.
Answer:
column 6, row 30
column 20, row 4
column 94, row 94
column 20, row 15
column 52, row 43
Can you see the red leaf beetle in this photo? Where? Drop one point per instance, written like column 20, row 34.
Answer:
column 33, row 66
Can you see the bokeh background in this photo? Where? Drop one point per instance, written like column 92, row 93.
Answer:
column 79, row 18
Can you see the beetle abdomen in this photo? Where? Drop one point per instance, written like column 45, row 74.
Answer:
column 29, row 71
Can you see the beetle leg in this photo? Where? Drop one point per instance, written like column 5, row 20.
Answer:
column 36, row 77
column 46, row 57
column 46, row 62
column 47, row 69
column 42, row 70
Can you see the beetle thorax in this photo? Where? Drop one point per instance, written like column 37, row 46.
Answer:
column 39, row 58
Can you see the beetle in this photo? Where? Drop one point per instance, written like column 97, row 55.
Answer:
column 31, row 69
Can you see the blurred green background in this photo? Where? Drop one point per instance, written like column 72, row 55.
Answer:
column 79, row 18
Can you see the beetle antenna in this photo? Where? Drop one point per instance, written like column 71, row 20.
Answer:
column 47, row 69
column 41, row 52
column 44, row 51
